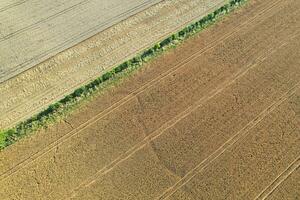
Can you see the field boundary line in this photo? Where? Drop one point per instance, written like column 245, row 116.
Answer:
column 100, row 115
column 86, row 81
column 279, row 179
column 94, row 77
column 169, row 124
column 77, row 85
column 229, row 143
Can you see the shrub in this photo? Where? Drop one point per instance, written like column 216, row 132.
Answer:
column 147, row 53
column 106, row 76
column 9, row 136
column 165, row 42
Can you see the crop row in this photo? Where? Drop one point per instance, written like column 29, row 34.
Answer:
column 58, row 109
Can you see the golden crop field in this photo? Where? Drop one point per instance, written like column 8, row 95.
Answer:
column 217, row 117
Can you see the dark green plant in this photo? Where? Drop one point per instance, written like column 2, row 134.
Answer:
column 9, row 136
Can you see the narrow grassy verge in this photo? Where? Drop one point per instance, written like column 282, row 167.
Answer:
column 59, row 109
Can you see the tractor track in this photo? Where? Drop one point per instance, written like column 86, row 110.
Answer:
column 110, row 109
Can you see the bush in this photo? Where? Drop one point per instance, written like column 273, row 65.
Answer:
column 7, row 137
column 165, row 42
column 106, row 76
column 121, row 67
column 147, row 53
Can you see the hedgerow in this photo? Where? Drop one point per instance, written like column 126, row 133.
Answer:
column 54, row 111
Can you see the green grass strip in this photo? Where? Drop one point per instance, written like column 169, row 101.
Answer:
column 59, row 109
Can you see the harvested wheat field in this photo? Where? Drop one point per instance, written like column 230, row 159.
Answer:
column 34, row 30
column 218, row 117
column 43, row 83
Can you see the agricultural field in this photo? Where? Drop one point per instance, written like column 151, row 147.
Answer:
column 28, row 93
column 33, row 30
column 217, row 117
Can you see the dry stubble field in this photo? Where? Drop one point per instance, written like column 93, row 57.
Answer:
column 218, row 117
column 32, row 31
column 32, row 91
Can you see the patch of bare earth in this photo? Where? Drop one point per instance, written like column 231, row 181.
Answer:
column 216, row 118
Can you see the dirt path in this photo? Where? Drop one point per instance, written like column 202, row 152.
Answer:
column 206, row 113
column 33, row 90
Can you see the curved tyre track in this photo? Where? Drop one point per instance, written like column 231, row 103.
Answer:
column 20, row 105
column 231, row 92
column 229, row 143
column 132, row 95
column 207, row 161
column 174, row 121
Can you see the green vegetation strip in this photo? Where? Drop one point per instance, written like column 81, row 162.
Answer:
column 59, row 109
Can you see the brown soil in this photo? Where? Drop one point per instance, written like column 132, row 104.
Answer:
column 289, row 188
column 33, row 90
column 217, row 117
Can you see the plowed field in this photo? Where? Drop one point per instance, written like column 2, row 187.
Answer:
column 218, row 117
